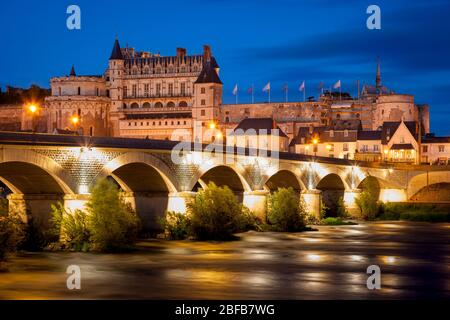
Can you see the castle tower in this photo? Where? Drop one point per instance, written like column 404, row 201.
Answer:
column 207, row 97
column 116, row 74
column 72, row 72
column 378, row 76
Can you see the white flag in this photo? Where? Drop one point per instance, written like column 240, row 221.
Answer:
column 235, row 90
column 267, row 87
column 337, row 85
column 302, row 86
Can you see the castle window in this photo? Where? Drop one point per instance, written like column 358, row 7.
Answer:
column 59, row 91
column 375, row 148
column 338, row 116
column 134, row 105
column 202, row 113
column 158, row 105
column 129, row 124
column 203, row 102
column 184, row 122
column 79, row 91
column 91, row 131
column 183, row 104
column 125, row 91
column 97, row 92
column 345, row 133
column 441, row 148
column 170, row 104
column 331, row 133
column 227, row 120
column 146, row 105
column 171, row 89
column 203, row 91
column 134, row 93
column 107, row 93
column 345, row 147
column 158, row 89
column 183, row 89
column 146, row 89
column 424, row 149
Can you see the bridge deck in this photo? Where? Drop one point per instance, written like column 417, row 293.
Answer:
column 39, row 139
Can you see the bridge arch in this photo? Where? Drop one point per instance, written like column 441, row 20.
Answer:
column 40, row 174
column 432, row 186
column 147, row 182
column 284, row 179
column 332, row 188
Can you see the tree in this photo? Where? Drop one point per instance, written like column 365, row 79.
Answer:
column 285, row 211
column 216, row 214
column 11, row 235
column 112, row 223
column 367, row 201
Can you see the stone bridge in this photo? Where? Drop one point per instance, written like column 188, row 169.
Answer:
column 43, row 169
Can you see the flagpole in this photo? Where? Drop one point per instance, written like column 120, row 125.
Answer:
column 304, row 93
column 253, row 93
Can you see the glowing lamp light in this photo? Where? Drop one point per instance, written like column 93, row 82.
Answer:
column 315, row 141
column 219, row 135
column 307, row 148
column 386, row 151
column 32, row 108
column 212, row 125
column 75, row 120
column 328, row 147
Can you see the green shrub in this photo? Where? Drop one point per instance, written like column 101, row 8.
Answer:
column 3, row 207
column 286, row 212
column 71, row 228
column 331, row 221
column 176, row 225
column 414, row 212
column 11, row 235
column 341, row 209
column 112, row 223
column 216, row 214
column 367, row 200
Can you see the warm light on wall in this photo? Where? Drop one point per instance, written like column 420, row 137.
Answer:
column 83, row 189
column 350, row 198
column 393, row 195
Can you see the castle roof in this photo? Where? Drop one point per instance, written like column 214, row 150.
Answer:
column 258, row 124
column 208, row 73
column 116, row 53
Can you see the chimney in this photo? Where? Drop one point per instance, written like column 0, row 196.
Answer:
column 181, row 52
column 206, row 53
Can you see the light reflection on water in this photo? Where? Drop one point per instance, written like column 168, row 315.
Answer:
column 328, row 264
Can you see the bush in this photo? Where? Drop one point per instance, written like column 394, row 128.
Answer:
column 3, row 207
column 11, row 235
column 341, row 209
column 331, row 221
column 176, row 225
column 216, row 214
column 414, row 212
column 367, row 201
column 286, row 212
column 71, row 228
column 112, row 223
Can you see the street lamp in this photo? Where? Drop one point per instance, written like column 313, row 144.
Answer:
column 315, row 142
column 75, row 120
column 385, row 155
column 33, row 110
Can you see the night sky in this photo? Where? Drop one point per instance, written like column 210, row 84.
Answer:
column 254, row 41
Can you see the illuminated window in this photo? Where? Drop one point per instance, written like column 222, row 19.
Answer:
column 441, row 148
column 424, row 148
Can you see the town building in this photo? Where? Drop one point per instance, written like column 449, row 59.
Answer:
column 146, row 95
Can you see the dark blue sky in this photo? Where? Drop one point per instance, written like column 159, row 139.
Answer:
column 254, row 41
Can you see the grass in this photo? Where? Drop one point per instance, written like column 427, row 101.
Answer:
column 414, row 212
column 330, row 221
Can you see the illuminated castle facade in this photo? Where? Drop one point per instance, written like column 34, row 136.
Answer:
column 146, row 95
